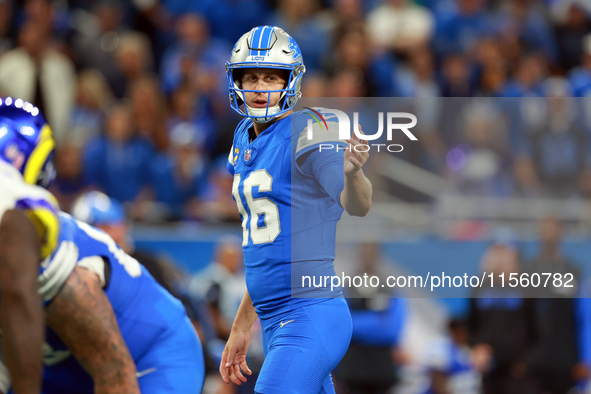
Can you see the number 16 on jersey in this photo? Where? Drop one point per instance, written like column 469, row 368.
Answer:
column 258, row 207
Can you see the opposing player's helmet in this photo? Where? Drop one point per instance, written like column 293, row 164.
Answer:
column 26, row 141
column 266, row 47
column 98, row 209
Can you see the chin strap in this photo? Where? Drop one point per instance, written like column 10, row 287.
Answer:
column 261, row 112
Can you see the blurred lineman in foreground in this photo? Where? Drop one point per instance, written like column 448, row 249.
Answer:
column 110, row 327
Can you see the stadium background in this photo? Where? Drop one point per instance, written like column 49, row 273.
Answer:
column 136, row 94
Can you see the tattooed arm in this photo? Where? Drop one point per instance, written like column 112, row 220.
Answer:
column 83, row 318
column 21, row 311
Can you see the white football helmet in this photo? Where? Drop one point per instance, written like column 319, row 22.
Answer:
column 266, row 47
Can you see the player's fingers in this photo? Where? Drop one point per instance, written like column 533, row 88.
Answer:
column 361, row 140
column 228, row 375
column 238, row 372
column 224, row 374
column 245, row 368
column 353, row 160
column 361, row 156
column 355, row 142
column 223, row 369
column 230, row 357
column 233, row 377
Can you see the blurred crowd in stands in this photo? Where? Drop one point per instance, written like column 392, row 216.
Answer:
column 136, row 91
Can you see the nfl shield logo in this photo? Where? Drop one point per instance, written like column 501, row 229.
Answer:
column 247, row 154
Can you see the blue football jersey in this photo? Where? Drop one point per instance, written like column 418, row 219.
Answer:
column 288, row 219
column 146, row 312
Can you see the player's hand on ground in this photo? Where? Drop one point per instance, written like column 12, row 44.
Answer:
column 354, row 160
column 234, row 358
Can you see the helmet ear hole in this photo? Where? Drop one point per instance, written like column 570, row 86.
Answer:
column 237, row 75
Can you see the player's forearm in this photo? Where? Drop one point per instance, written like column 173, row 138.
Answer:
column 82, row 317
column 22, row 340
column 246, row 315
column 21, row 313
column 356, row 195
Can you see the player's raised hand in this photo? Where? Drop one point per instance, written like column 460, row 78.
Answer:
column 355, row 158
column 234, row 357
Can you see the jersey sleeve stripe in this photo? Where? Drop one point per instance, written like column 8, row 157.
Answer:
column 43, row 215
column 319, row 136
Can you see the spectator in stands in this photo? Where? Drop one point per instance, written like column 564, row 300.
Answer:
column 342, row 12
column 42, row 14
column 400, row 26
column 244, row 14
column 96, row 39
column 217, row 204
column 418, row 78
column 496, row 311
column 93, row 96
column 7, row 26
column 491, row 67
column 580, row 77
column 457, row 79
column 133, row 58
column 353, row 50
column 316, row 85
column 347, row 82
column 178, row 175
column 148, row 108
column 557, row 145
column 524, row 19
column 370, row 364
column 572, row 27
column 528, row 78
column 187, row 106
column 69, row 180
column 300, row 19
column 196, row 60
column 37, row 73
column 116, row 161
column 480, row 164
column 555, row 356
column 458, row 28
column 452, row 366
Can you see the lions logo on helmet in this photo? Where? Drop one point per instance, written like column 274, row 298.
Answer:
column 295, row 48
column 26, row 141
column 266, row 47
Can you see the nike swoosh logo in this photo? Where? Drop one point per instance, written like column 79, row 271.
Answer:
column 144, row 372
column 287, row 322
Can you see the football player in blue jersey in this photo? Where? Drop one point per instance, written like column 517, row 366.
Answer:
column 290, row 196
column 110, row 327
